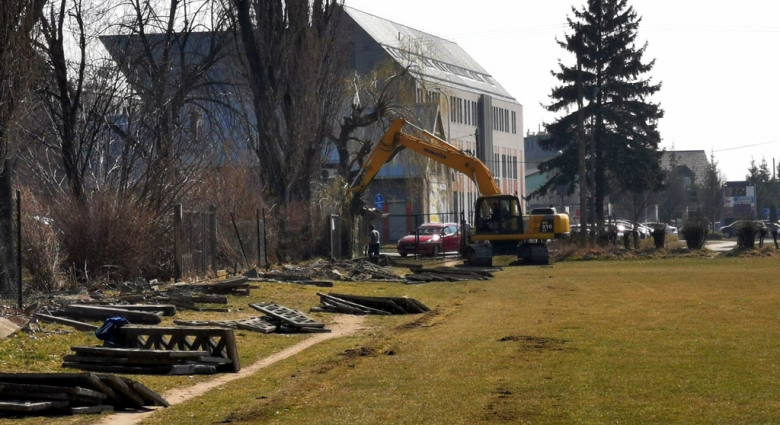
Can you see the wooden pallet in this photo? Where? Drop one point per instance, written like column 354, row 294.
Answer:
column 217, row 342
column 288, row 316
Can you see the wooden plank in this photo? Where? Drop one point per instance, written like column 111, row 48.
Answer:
column 149, row 370
column 150, row 397
column 91, row 410
column 125, row 395
column 209, row 299
column 379, row 303
column 232, row 351
column 138, row 361
column 76, row 392
column 352, row 304
column 86, row 380
column 167, row 309
column 102, row 313
column 138, row 353
column 31, row 406
column 79, row 326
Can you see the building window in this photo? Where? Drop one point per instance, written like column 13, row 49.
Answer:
column 452, row 108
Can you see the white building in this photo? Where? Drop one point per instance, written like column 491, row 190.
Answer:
column 460, row 101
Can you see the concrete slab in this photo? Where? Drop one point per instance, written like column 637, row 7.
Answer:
column 7, row 328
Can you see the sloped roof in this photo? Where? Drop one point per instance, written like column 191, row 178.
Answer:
column 696, row 161
column 436, row 59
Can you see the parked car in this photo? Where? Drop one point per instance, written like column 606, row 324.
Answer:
column 731, row 230
column 668, row 228
column 771, row 227
column 434, row 239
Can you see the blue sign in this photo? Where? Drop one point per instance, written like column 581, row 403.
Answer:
column 766, row 213
column 379, row 202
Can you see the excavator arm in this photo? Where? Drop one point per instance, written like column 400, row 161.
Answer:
column 395, row 140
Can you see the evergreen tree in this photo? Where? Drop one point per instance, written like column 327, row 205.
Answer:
column 621, row 119
column 758, row 173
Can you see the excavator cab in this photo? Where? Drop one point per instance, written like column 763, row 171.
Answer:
column 499, row 215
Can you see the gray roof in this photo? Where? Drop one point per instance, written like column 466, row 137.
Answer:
column 436, row 59
column 696, row 161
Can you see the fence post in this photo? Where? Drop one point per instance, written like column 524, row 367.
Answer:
column 265, row 241
column 213, row 237
column 259, row 241
column 177, row 260
column 416, row 238
column 19, row 243
column 240, row 242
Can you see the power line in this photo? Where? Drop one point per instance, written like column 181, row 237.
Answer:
column 747, row 146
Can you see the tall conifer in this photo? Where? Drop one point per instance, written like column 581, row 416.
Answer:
column 621, row 119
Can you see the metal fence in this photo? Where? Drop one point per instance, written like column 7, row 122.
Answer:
column 195, row 241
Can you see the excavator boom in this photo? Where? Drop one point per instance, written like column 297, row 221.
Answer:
column 430, row 146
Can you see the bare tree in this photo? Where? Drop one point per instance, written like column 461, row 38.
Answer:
column 711, row 192
column 294, row 57
column 17, row 22
column 78, row 93
column 178, row 111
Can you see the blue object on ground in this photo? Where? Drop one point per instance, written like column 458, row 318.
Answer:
column 109, row 332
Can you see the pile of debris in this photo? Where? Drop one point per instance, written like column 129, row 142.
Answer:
column 160, row 350
column 233, row 286
column 72, row 393
column 322, row 273
column 353, row 304
column 181, row 299
column 449, row 274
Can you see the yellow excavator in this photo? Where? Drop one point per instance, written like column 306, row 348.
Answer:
column 499, row 226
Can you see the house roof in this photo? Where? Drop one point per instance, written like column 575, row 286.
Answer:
column 696, row 161
column 434, row 59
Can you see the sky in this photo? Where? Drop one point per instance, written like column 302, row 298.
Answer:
column 718, row 61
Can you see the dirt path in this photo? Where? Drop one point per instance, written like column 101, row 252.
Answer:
column 345, row 325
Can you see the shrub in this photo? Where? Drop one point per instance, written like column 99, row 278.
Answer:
column 109, row 237
column 41, row 249
column 659, row 235
column 746, row 234
column 695, row 231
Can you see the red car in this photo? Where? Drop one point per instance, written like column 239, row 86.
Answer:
column 435, row 239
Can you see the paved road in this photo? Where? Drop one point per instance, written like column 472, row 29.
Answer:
column 721, row 246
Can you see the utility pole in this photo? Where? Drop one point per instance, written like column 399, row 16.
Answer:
column 583, row 185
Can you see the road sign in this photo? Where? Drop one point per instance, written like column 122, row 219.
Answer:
column 379, row 202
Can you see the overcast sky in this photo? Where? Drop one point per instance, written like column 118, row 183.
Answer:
column 719, row 62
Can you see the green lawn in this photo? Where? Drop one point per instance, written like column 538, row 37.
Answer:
column 664, row 341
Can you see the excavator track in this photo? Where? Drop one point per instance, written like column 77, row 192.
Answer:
column 535, row 254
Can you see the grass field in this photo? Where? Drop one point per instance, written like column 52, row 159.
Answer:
column 665, row 341
column 661, row 341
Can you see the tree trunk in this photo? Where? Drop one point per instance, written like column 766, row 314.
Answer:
column 8, row 268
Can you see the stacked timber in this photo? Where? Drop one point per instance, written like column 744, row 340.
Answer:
column 141, row 361
column 72, row 393
column 353, row 304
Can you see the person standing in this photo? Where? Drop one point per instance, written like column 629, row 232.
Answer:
column 373, row 245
